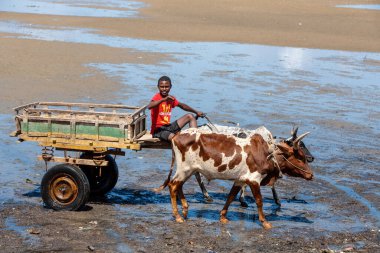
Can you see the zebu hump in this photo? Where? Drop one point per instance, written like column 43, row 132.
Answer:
column 234, row 130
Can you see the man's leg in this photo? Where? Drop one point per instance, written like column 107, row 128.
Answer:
column 187, row 118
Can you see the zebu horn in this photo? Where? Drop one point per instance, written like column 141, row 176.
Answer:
column 294, row 132
column 299, row 138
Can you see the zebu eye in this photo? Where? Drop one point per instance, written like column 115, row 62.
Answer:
column 299, row 155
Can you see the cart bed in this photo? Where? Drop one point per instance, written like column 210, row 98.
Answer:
column 84, row 126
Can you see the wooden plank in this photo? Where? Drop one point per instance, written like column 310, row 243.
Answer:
column 140, row 135
column 139, row 111
column 77, row 161
column 68, row 112
column 116, row 151
column 79, row 144
column 75, row 131
column 148, row 138
column 156, row 145
column 89, row 121
column 17, row 109
column 147, row 141
column 110, row 106
column 85, row 105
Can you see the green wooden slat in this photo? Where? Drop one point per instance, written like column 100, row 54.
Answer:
column 111, row 131
column 81, row 129
column 24, row 127
column 85, row 129
column 41, row 127
column 60, row 128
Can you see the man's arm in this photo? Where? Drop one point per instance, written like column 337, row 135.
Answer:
column 185, row 107
column 155, row 103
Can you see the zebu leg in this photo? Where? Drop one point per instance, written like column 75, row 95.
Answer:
column 203, row 188
column 174, row 188
column 275, row 196
column 255, row 188
column 242, row 201
column 231, row 196
column 185, row 205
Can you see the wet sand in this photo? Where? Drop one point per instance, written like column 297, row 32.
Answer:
column 331, row 93
column 36, row 71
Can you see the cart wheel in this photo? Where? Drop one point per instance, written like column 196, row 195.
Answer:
column 102, row 178
column 65, row 187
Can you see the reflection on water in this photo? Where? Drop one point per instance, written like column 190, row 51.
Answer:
column 361, row 6
column 293, row 58
column 83, row 8
column 333, row 94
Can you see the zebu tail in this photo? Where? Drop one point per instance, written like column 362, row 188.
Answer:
column 170, row 174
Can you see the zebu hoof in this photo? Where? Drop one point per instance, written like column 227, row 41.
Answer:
column 267, row 225
column 243, row 203
column 179, row 219
column 209, row 199
column 224, row 220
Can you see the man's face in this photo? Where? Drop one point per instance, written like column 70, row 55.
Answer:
column 164, row 88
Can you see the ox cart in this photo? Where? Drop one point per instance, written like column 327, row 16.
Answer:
column 88, row 136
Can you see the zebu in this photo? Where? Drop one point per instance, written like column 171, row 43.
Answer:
column 248, row 161
column 245, row 133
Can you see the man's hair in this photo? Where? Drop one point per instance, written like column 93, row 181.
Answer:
column 164, row 78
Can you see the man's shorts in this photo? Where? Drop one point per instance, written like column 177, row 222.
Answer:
column 163, row 132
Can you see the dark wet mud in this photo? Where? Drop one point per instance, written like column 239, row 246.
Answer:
column 332, row 94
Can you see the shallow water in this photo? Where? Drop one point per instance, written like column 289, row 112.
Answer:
column 333, row 94
column 361, row 6
column 18, row 173
column 83, row 8
column 11, row 225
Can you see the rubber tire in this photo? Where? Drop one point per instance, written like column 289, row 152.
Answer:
column 76, row 176
column 110, row 175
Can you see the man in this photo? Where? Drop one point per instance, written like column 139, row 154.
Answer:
column 161, row 106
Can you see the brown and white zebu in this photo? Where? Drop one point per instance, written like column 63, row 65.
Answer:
column 269, row 138
column 250, row 161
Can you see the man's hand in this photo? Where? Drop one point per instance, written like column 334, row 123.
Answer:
column 170, row 98
column 201, row 114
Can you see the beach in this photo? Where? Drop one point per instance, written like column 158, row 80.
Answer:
column 272, row 63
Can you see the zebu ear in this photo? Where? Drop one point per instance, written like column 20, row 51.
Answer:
column 285, row 149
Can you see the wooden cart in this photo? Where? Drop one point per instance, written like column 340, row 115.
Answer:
column 94, row 133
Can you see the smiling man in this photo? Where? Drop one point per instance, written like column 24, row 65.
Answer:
column 161, row 106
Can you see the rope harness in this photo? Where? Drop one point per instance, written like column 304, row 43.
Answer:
column 272, row 157
column 296, row 165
